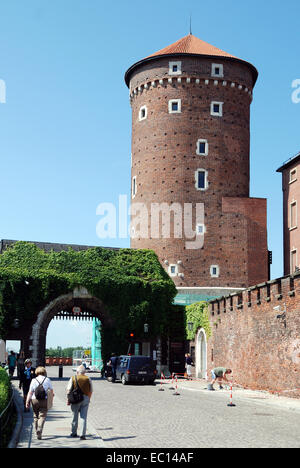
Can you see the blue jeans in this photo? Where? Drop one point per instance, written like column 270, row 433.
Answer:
column 82, row 410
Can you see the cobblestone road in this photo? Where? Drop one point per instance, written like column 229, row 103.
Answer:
column 141, row 416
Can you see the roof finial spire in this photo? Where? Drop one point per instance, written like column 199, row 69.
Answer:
column 190, row 24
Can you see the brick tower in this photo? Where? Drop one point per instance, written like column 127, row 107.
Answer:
column 190, row 151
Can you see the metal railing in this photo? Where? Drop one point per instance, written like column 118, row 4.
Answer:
column 5, row 416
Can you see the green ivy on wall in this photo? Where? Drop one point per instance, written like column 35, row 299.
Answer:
column 198, row 315
column 131, row 283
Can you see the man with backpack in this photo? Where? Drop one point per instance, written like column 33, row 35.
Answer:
column 79, row 392
column 39, row 392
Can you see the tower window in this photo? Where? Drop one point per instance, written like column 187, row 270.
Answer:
column 202, row 148
column 134, row 187
column 174, row 106
column 200, row 229
column 216, row 109
column 173, row 270
column 201, row 179
column 217, row 70
column 214, row 271
column 143, row 113
column 174, row 68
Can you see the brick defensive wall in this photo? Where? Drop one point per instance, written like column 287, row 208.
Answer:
column 256, row 333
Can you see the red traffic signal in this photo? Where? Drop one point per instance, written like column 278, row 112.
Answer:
column 131, row 335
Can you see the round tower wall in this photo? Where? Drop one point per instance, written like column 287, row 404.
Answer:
column 166, row 157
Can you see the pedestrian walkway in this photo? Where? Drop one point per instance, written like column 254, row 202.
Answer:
column 57, row 429
column 117, row 433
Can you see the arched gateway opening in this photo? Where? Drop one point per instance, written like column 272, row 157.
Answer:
column 67, row 307
column 127, row 290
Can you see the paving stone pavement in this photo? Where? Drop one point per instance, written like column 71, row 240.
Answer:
column 56, row 431
column 142, row 417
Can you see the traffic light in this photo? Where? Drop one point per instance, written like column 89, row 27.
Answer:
column 131, row 338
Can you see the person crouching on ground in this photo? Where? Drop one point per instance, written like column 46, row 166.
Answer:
column 38, row 396
column 81, row 408
column 219, row 374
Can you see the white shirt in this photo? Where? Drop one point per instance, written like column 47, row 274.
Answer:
column 47, row 384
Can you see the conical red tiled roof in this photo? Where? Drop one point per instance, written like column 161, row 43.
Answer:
column 191, row 45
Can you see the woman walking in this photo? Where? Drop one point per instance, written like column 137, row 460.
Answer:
column 38, row 396
column 85, row 387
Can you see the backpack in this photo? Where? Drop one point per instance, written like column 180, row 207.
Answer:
column 75, row 395
column 40, row 392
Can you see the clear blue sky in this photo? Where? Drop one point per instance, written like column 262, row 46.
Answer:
column 65, row 129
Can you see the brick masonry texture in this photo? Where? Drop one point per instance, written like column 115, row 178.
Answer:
column 164, row 162
column 261, row 345
column 291, row 234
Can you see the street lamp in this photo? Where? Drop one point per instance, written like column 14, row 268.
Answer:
column 146, row 327
column 190, row 326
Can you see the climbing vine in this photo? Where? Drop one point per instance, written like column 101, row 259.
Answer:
column 197, row 315
column 131, row 283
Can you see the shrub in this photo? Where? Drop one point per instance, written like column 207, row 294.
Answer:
column 9, row 417
column 4, row 389
column 197, row 314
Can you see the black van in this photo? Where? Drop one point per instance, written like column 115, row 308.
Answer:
column 135, row 369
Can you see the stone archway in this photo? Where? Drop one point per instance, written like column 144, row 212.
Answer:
column 201, row 354
column 79, row 297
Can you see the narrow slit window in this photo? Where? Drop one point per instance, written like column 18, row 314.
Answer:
column 134, row 187
column 202, row 148
column 214, row 271
column 201, row 179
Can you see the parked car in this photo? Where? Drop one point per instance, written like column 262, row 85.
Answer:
column 136, row 369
